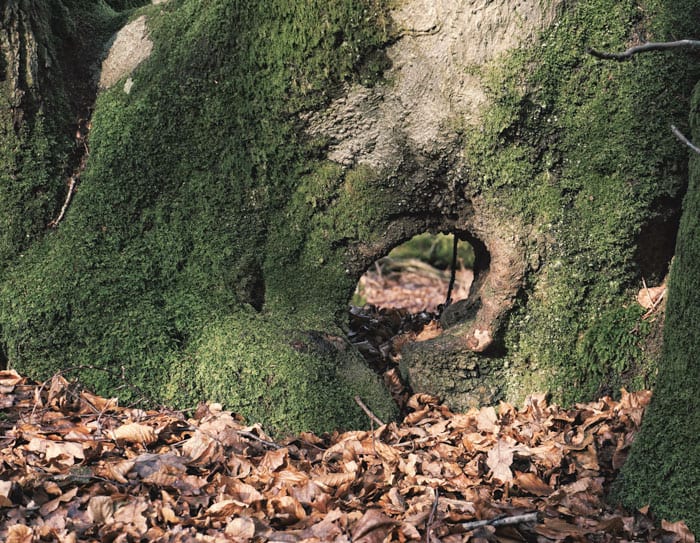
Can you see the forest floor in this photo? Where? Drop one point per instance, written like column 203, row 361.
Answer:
column 78, row 467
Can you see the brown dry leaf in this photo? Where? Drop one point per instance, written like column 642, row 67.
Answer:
column 532, row 484
column 651, row 296
column 5, row 490
column 202, row 449
column 273, row 460
column 285, row 510
column 680, row 529
column 430, row 331
column 19, row 533
column 102, row 404
column 203, row 480
column 499, row 459
column 135, row 433
column 373, row 527
column 133, row 513
column 10, row 378
column 240, row 528
column 100, row 509
column 332, row 480
column 486, row 420
column 243, row 492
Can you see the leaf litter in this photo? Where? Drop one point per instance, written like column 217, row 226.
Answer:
column 77, row 467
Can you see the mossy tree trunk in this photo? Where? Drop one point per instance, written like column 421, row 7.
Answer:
column 663, row 469
column 241, row 179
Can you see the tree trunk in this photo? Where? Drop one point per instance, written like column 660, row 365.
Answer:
column 663, row 469
column 236, row 184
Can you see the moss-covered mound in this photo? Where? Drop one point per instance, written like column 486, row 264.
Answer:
column 197, row 202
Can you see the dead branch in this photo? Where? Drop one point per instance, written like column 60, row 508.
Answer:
column 431, row 518
column 252, row 436
column 453, row 271
column 71, row 190
column 684, row 140
column 649, row 46
column 369, row 413
column 500, row 521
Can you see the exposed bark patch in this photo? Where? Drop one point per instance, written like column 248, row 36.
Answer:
column 131, row 46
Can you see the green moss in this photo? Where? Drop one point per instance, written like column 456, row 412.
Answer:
column 435, row 249
column 582, row 149
column 663, row 468
column 291, row 379
column 198, row 200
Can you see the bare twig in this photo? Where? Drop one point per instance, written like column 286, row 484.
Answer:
column 453, row 272
column 684, row 140
column 265, row 442
column 650, row 46
column 431, row 518
column 71, row 190
column 500, row 521
column 369, row 413
column 654, row 305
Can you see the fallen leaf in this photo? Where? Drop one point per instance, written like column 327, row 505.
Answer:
column 19, row 533
column 135, row 433
column 499, row 459
column 101, row 509
column 531, row 483
column 680, row 529
column 240, row 528
column 373, row 527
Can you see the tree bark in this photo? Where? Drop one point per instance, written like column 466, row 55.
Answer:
column 663, row 469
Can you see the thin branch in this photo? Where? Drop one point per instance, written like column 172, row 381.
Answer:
column 650, row 46
column 646, row 290
column 431, row 518
column 71, row 189
column 500, row 521
column 369, row 413
column 265, row 442
column 453, row 272
column 684, row 140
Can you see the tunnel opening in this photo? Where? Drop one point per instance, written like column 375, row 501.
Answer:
column 400, row 297
column 415, row 275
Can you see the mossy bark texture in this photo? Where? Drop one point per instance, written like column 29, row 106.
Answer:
column 243, row 177
column 663, row 469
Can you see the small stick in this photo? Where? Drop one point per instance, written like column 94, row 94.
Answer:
column 252, row 436
column 71, row 189
column 453, row 272
column 500, row 521
column 431, row 518
column 369, row 413
column 683, row 139
column 650, row 46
